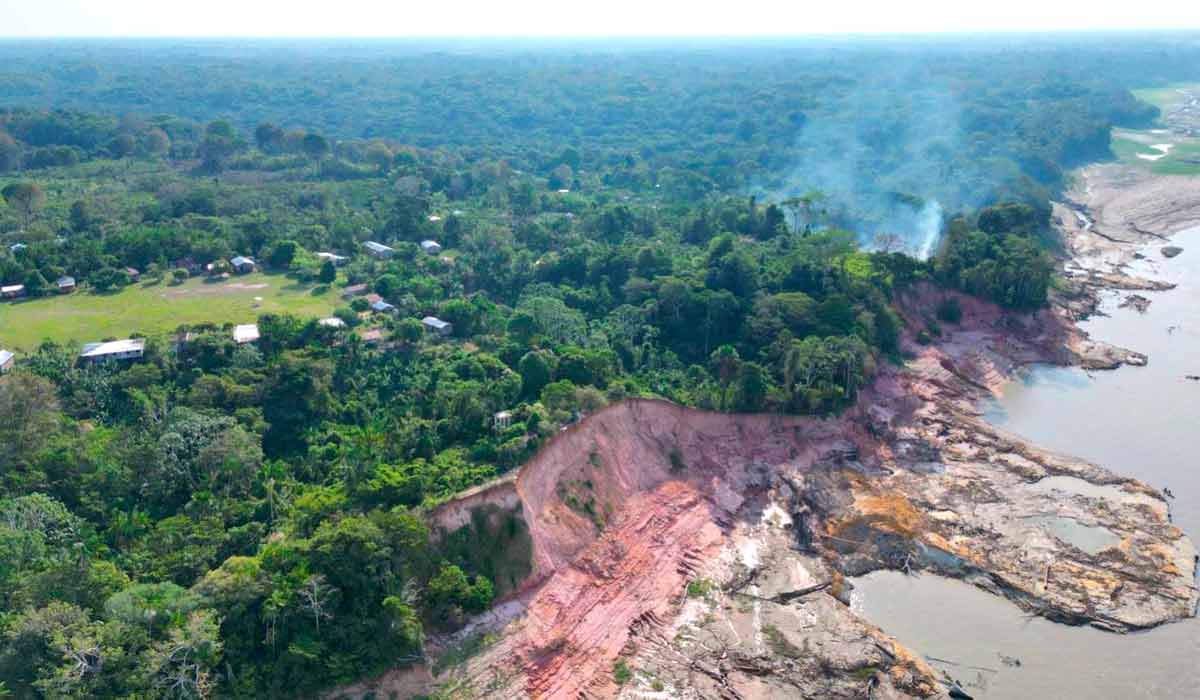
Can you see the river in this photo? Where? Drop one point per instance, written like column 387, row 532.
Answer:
column 1142, row 422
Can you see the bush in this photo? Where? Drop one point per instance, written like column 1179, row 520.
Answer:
column 621, row 672
column 949, row 310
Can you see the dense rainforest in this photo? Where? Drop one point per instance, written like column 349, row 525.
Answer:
column 224, row 519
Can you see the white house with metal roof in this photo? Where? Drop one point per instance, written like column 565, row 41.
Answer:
column 437, row 325
column 6, row 360
column 242, row 264
column 129, row 349
column 334, row 258
column 245, row 333
column 379, row 250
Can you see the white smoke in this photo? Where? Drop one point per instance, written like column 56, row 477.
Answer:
column 929, row 229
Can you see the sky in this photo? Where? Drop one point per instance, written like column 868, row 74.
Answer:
column 541, row 18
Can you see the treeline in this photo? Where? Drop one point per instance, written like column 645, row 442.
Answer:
column 955, row 121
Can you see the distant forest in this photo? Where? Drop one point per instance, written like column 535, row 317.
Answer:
column 966, row 121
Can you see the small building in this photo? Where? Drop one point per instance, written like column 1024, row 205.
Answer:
column 372, row 336
column 131, row 349
column 378, row 250
column 66, row 284
column 242, row 264
column 373, row 298
column 17, row 248
column 133, row 273
column 246, row 333
column 502, row 420
column 6, row 360
column 334, row 258
column 354, row 290
column 12, row 291
column 434, row 324
column 382, row 307
column 434, row 218
column 431, row 247
column 332, row 322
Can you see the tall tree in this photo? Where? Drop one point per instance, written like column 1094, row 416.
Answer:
column 26, row 197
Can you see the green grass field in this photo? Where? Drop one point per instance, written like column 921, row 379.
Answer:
column 157, row 309
column 1164, row 97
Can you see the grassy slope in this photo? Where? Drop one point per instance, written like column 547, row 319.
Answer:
column 157, row 309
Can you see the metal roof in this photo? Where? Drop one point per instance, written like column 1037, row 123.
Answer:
column 435, row 322
column 246, row 333
column 113, row 347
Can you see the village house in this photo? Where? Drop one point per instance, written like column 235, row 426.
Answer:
column 242, row 264
column 502, row 420
column 12, row 291
column 434, row 324
column 133, row 274
column 378, row 250
column 6, row 360
column 246, row 333
column 372, row 336
column 334, row 258
column 131, row 349
column 332, row 322
column 382, row 307
column 431, row 247
column 66, row 284
column 354, row 290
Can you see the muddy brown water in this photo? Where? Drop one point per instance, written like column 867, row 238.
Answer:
column 1142, row 422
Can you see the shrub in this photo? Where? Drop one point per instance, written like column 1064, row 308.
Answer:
column 622, row 674
column 949, row 310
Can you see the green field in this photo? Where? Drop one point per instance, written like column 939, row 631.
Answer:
column 1164, row 97
column 157, row 309
column 1184, row 156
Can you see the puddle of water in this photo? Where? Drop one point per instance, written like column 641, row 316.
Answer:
column 1089, row 538
column 1078, row 487
column 1137, row 421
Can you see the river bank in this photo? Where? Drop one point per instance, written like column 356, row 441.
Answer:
column 680, row 553
column 684, row 554
column 1139, row 421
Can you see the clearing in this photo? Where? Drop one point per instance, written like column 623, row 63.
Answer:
column 1172, row 148
column 158, row 308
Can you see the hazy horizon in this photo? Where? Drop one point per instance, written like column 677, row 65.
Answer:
column 543, row 19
